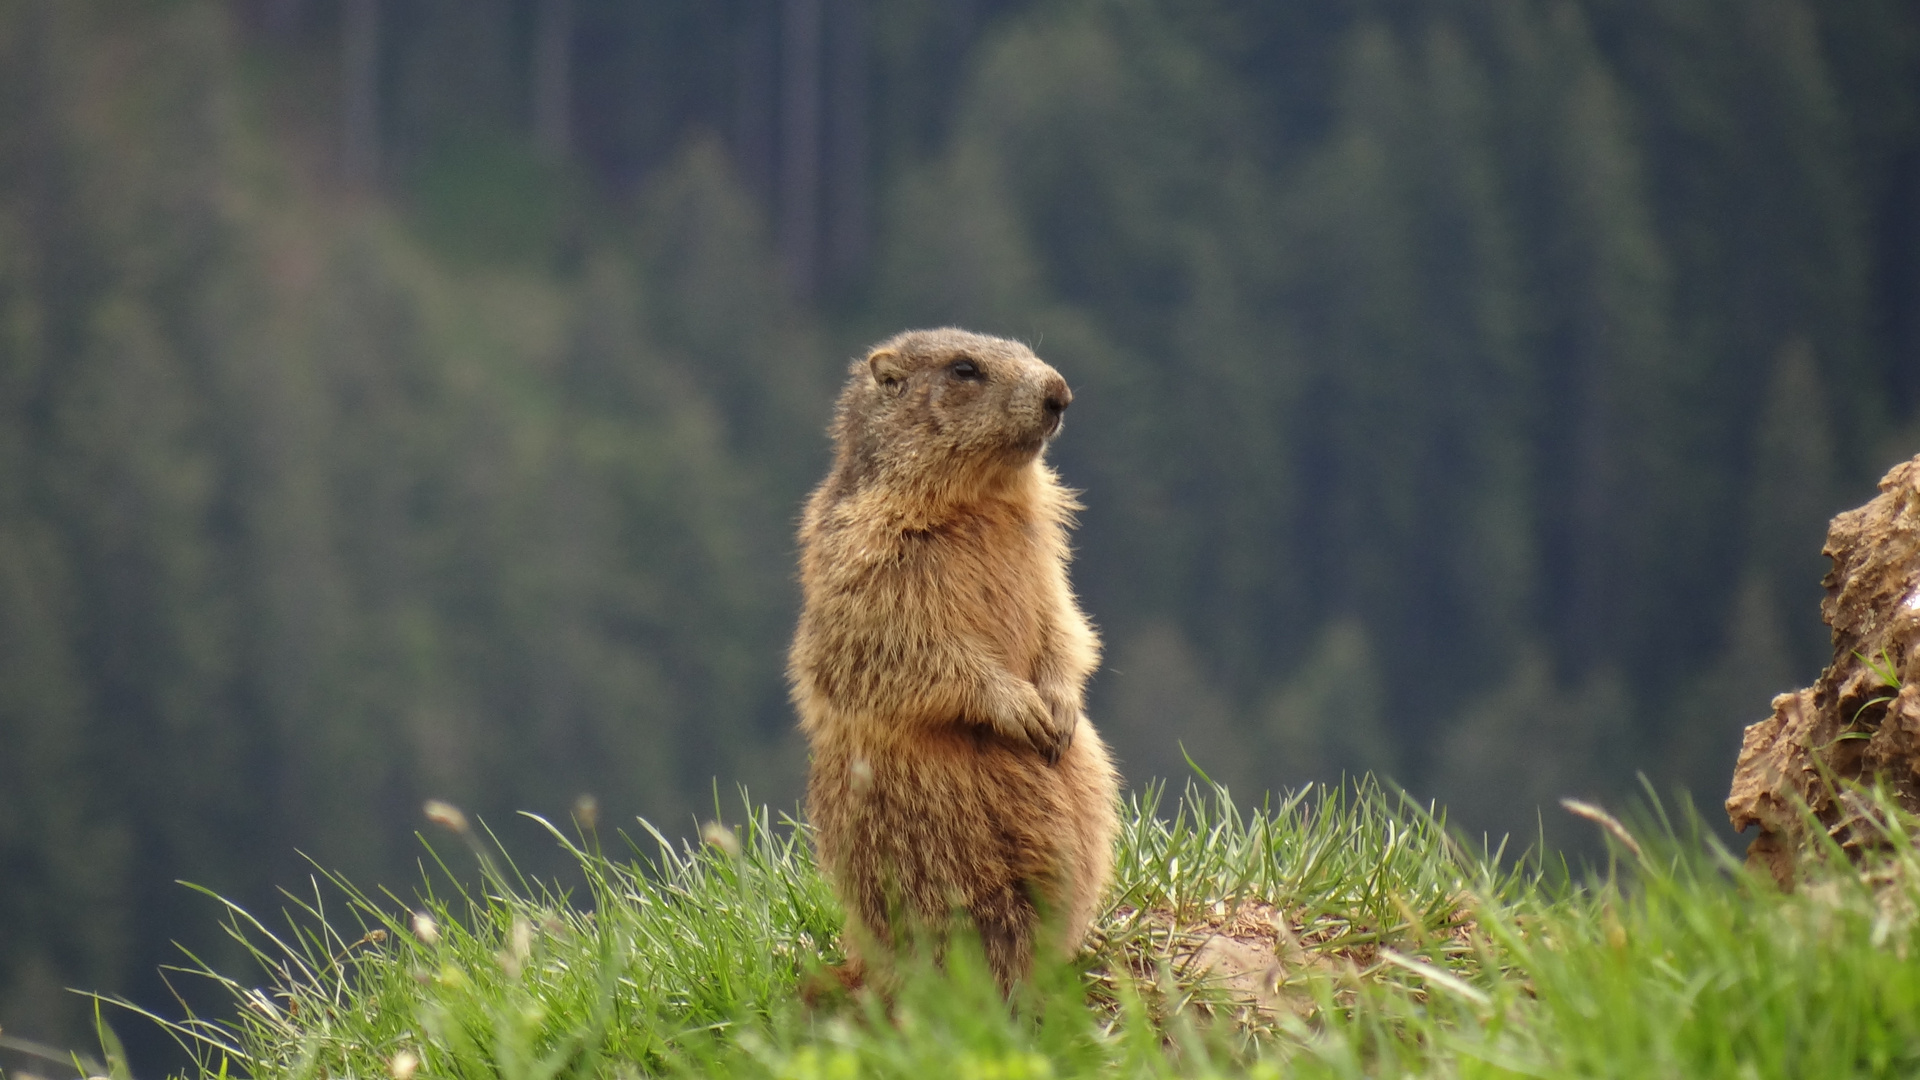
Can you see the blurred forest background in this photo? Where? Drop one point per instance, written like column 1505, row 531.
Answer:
column 408, row 398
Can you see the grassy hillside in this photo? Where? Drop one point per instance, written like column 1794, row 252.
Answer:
column 1334, row 933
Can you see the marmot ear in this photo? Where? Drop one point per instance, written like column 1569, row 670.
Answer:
column 887, row 369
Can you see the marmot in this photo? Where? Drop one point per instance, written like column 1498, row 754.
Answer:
column 940, row 660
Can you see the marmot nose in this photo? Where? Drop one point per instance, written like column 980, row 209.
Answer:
column 1057, row 399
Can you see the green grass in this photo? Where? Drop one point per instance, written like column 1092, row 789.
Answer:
column 1350, row 936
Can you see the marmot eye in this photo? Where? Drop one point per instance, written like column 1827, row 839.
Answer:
column 968, row 370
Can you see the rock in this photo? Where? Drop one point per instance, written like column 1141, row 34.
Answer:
column 1248, row 974
column 1861, row 721
column 1250, row 953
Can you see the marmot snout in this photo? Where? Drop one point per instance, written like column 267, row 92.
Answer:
column 940, row 661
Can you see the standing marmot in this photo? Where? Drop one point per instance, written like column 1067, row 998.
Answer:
column 940, row 659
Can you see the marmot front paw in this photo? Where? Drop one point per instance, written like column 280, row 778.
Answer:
column 1063, row 714
column 1026, row 714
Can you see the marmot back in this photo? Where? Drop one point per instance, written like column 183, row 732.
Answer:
column 940, row 660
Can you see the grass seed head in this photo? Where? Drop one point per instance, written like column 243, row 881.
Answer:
column 447, row 815
column 586, row 812
column 721, row 837
column 519, row 947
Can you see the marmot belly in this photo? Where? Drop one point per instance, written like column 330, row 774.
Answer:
column 964, row 823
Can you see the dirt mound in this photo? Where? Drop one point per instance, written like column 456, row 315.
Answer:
column 1861, row 720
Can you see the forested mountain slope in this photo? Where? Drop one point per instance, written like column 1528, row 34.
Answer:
column 413, row 397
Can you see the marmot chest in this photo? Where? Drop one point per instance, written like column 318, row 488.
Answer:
column 991, row 575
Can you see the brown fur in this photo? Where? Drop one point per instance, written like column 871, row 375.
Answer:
column 940, row 659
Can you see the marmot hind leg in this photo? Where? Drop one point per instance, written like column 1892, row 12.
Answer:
column 1008, row 923
column 823, row 984
column 1007, row 927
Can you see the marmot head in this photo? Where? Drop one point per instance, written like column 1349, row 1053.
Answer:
column 946, row 406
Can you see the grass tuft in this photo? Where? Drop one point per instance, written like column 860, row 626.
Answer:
column 1333, row 932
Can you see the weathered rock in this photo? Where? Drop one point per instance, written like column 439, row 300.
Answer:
column 1861, row 721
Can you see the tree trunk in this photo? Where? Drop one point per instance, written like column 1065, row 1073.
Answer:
column 553, row 79
column 360, row 91
column 756, row 57
column 799, row 195
column 847, row 234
